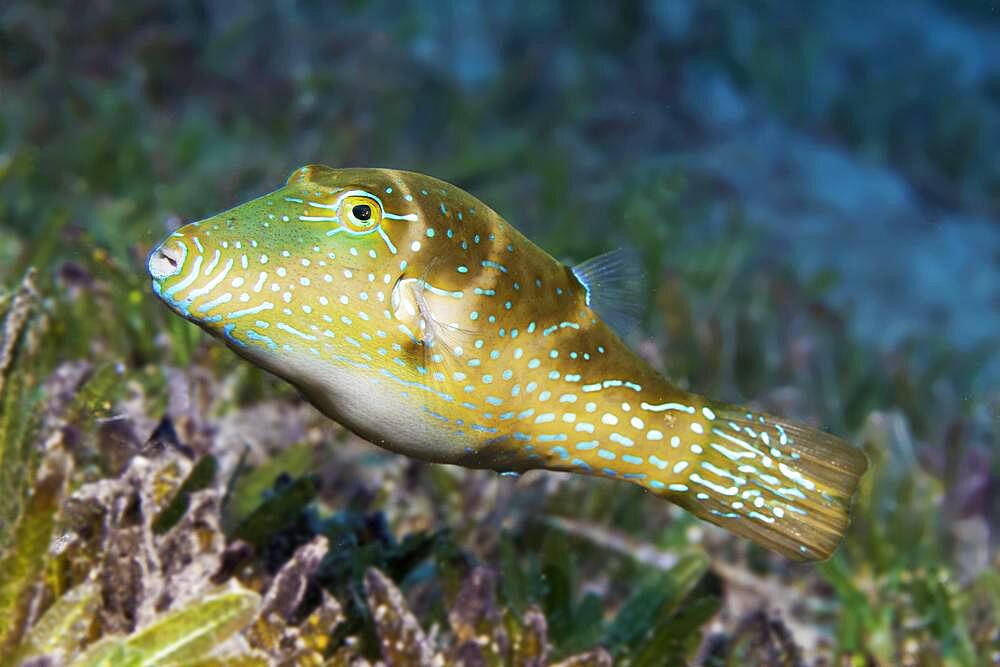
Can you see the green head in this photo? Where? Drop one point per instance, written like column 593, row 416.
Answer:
column 279, row 258
column 307, row 268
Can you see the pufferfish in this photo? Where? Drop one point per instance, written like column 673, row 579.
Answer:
column 412, row 313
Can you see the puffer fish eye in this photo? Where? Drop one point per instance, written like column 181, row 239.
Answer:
column 360, row 213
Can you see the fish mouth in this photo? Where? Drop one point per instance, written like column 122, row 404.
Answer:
column 190, row 284
column 166, row 259
column 165, row 265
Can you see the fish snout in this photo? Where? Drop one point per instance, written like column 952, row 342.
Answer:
column 167, row 259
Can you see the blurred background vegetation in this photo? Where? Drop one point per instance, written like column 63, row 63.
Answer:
column 815, row 191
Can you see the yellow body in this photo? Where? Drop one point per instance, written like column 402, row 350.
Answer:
column 409, row 311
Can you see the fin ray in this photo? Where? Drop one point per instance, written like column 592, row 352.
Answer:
column 615, row 287
column 785, row 486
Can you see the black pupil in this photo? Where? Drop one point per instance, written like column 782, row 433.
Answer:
column 362, row 211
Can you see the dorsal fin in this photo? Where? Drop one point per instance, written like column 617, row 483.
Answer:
column 615, row 287
column 311, row 173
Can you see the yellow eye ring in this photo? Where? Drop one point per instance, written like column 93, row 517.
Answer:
column 360, row 214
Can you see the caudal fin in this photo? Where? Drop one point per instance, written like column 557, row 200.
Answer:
column 785, row 486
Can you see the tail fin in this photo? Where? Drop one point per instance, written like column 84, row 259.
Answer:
column 785, row 486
